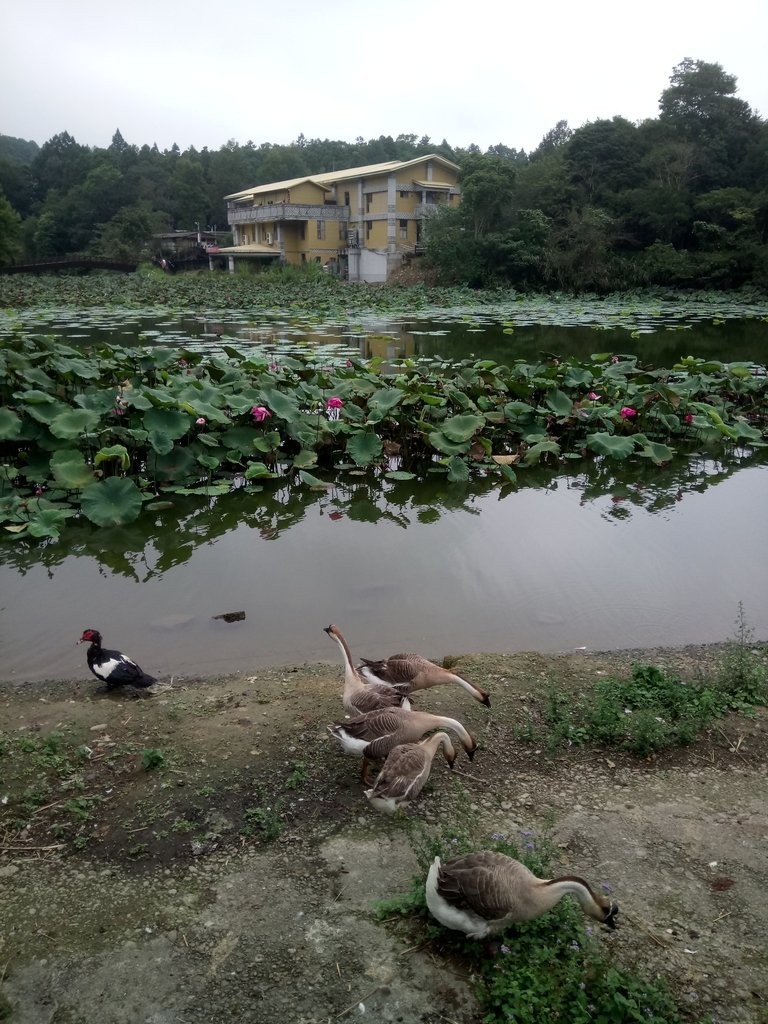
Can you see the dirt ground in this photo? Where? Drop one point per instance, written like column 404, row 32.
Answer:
column 207, row 854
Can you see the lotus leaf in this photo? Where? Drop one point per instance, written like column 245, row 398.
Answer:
column 48, row 522
column 259, row 471
column 10, row 425
column 462, row 428
column 160, row 442
column 611, row 444
column 117, row 451
column 73, row 423
column 458, row 470
column 541, row 448
column 173, row 465
column 313, row 482
column 559, row 402
column 112, row 502
column 364, row 447
column 440, row 442
column 304, row 459
column 279, row 404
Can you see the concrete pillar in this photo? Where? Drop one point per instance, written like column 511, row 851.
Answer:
column 231, row 264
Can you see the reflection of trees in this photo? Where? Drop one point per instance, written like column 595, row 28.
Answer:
column 159, row 541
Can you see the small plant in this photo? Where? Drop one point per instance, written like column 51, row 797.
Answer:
column 138, row 851
column 262, row 822
column 297, row 776
column 152, row 758
column 182, row 825
column 744, row 673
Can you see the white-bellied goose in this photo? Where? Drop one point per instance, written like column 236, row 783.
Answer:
column 483, row 893
column 358, row 696
column 373, row 735
column 409, row 672
column 406, row 771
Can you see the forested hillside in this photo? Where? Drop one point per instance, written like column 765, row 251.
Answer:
column 680, row 199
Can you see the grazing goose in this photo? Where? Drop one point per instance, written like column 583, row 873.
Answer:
column 360, row 698
column 409, row 672
column 406, row 771
column 482, row 893
column 373, row 735
column 112, row 667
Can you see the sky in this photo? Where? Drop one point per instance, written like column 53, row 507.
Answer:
column 199, row 74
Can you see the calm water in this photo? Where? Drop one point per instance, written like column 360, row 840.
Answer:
column 651, row 557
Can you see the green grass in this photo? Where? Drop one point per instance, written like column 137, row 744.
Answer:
column 653, row 708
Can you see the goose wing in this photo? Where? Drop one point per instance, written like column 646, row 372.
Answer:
column 376, row 697
column 481, row 882
column 405, row 772
column 399, row 670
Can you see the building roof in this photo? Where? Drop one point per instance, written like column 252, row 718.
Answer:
column 433, row 184
column 249, row 249
column 327, row 178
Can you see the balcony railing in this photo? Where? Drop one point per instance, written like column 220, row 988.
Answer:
column 429, row 209
column 237, row 214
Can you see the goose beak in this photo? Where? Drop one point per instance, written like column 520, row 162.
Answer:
column 610, row 918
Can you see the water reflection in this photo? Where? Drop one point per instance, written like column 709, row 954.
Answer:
column 579, row 558
column 661, row 340
column 153, row 545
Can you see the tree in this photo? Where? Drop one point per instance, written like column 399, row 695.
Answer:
column 10, row 232
column 554, row 139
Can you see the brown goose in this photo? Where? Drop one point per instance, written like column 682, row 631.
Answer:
column 409, row 672
column 373, row 735
column 406, row 771
column 358, row 697
column 483, row 893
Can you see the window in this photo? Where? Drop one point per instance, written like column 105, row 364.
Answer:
column 302, row 230
column 346, row 198
column 368, row 229
column 403, row 195
column 404, row 230
column 342, row 231
column 368, row 201
column 320, row 230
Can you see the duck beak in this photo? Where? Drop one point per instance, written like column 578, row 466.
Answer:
column 328, row 629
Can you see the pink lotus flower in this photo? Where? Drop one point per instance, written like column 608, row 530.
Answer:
column 200, row 421
column 593, row 396
column 260, row 413
column 348, row 362
column 627, row 412
column 119, row 412
column 688, row 417
column 334, row 403
column 38, row 491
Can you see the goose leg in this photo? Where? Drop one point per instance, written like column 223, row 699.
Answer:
column 365, row 774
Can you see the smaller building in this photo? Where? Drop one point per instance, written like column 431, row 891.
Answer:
column 360, row 223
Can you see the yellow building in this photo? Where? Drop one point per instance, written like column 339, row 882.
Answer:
column 359, row 223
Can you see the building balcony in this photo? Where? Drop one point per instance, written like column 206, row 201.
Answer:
column 276, row 212
column 429, row 209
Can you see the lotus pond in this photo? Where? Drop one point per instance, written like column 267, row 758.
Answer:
column 541, row 475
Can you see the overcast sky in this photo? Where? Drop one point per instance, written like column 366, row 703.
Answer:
column 201, row 73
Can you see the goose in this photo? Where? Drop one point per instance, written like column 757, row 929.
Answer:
column 359, row 697
column 373, row 735
column 409, row 672
column 482, row 893
column 113, row 667
column 406, row 771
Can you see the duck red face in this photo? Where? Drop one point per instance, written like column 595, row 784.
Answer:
column 89, row 635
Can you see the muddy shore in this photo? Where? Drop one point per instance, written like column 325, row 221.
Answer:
column 207, row 855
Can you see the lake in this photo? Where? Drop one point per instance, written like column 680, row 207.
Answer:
column 645, row 556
